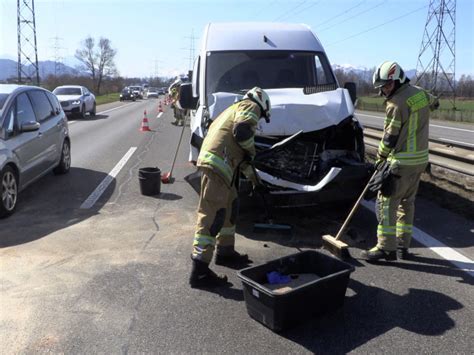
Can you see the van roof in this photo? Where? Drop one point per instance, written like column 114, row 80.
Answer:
column 260, row 36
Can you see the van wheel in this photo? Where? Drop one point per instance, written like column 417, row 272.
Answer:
column 65, row 162
column 8, row 191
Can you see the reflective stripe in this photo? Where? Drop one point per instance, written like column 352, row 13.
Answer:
column 404, row 227
column 386, row 230
column 248, row 144
column 246, row 115
column 417, row 101
column 217, row 162
column 393, row 122
column 227, row 231
column 412, row 128
column 203, row 240
column 383, row 149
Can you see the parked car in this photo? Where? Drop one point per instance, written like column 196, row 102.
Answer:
column 76, row 100
column 137, row 90
column 152, row 93
column 127, row 94
column 325, row 162
column 34, row 139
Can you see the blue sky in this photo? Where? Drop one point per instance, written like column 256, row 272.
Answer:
column 155, row 35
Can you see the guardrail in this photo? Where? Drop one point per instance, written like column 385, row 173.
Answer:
column 450, row 156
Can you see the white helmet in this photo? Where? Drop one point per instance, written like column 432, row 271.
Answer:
column 261, row 98
column 388, row 71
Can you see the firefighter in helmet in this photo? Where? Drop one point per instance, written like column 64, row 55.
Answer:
column 404, row 146
column 227, row 150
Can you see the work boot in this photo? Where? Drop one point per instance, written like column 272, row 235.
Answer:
column 376, row 254
column 402, row 253
column 228, row 256
column 202, row 276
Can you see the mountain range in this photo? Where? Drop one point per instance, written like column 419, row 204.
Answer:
column 8, row 69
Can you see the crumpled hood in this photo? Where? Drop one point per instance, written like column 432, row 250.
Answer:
column 68, row 97
column 293, row 111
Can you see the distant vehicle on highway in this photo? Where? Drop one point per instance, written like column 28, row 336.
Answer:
column 34, row 139
column 127, row 94
column 162, row 91
column 152, row 93
column 138, row 91
column 76, row 100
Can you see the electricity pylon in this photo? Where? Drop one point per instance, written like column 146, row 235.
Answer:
column 28, row 70
column 436, row 67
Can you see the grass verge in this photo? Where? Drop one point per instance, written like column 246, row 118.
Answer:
column 105, row 99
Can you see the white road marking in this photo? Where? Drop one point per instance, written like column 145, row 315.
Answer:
column 447, row 253
column 94, row 196
column 431, row 125
column 115, row 108
column 159, row 115
column 453, row 141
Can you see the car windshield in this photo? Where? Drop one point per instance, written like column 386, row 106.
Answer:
column 67, row 91
column 3, row 99
column 239, row 71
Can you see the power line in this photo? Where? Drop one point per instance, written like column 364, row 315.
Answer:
column 341, row 13
column 304, row 9
column 350, row 18
column 382, row 24
column 286, row 13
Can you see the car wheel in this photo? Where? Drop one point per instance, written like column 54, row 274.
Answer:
column 8, row 191
column 82, row 114
column 94, row 109
column 65, row 162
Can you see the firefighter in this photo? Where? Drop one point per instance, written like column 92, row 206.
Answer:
column 178, row 113
column 404, row 146
column 227, row 150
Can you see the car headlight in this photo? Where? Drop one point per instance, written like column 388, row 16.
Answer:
column 76, row 102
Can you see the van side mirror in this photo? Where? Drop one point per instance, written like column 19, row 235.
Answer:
column 30, row 126
column 351, row 87
column 186, row 99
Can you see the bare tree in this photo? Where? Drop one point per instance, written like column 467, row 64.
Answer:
column 98, row 62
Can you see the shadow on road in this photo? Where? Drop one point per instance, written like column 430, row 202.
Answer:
column 371, row 312
column 51, row 204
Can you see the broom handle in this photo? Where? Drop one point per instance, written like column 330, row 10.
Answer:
column 354, row 209
column 177, row 148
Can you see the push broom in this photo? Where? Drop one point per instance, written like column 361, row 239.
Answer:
column 333, row 244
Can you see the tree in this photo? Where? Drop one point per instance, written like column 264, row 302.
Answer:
column 97, row 61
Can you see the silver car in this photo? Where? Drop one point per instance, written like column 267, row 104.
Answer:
column 76, row 100
column 34, row 139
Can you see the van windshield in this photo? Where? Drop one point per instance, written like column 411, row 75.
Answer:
column 241, row 71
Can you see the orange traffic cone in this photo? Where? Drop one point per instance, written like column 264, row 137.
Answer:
column 144, row 127
column 160, row 109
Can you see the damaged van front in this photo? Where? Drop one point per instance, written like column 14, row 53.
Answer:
column 324, row 158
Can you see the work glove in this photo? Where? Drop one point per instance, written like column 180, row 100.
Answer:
column 379, row 163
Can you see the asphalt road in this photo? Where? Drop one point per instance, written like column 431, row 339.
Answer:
column 112, row 278
column 449, row 132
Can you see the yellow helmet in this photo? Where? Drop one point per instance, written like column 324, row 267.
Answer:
column 261, row 98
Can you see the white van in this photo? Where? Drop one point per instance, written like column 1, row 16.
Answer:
column 323, row 163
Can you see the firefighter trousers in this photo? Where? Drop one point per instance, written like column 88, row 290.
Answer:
column 395, row 213
column 216, row 216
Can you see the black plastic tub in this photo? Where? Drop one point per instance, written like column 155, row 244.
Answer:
column 293, row 303
column 150, row 181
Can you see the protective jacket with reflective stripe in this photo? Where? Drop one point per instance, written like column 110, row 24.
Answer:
column 406, row 127
column 230, row 139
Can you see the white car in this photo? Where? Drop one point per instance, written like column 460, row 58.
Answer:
column 76, row 100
